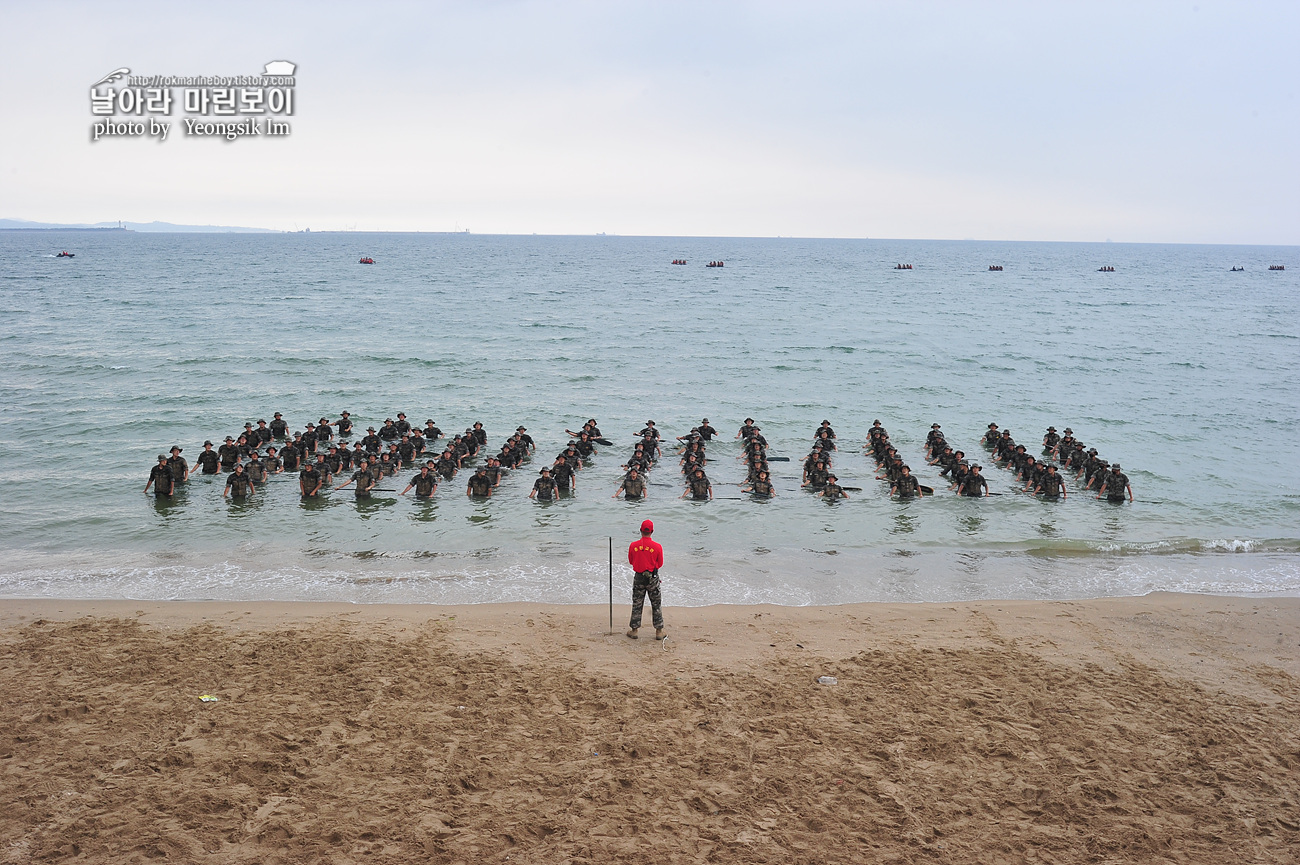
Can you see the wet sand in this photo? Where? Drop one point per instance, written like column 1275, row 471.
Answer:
column 1156, row 729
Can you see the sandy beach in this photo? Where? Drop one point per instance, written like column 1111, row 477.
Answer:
column 1154, row 729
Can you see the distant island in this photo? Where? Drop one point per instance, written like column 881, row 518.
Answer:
column 159, row 227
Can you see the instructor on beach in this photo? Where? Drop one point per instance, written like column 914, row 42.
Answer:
column 646, row 558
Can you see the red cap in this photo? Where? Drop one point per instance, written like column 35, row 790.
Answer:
column 647, row 526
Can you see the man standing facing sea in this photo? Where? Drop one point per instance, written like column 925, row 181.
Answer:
column 646, row 557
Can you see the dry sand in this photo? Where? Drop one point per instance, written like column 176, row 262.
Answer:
column 1157, row 729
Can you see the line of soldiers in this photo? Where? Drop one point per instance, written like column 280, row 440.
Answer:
column 965, row 478
column 693, row 460
column 370, row 464
column 758, row 476
column 561, row 477
column 1041, row 476
column 1094, row 472
column 890, row 465
column 318, row 457
column 817, row 473
column 635, row 484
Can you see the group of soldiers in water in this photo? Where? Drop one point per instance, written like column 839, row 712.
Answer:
column 1042, row 477
column 320, row 454
column 693, row 460
column 817, row 474
column 648, row 450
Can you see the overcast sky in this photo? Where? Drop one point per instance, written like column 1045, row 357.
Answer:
column 1129, row 121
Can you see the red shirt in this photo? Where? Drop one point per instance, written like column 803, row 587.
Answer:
column 645, row 554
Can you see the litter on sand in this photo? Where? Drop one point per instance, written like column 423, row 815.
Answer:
column 208, row 698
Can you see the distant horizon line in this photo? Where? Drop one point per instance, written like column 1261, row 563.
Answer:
column 163, row 227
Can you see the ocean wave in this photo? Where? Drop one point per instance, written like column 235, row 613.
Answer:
column 783, row 576
column 572, row 582
column 1173, row 546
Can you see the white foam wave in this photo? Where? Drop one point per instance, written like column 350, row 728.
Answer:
column 785, row 579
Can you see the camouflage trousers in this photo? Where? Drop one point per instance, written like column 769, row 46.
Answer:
column 646, row 583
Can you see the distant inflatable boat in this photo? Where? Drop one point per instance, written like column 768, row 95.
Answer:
column 715, row 264
column 366, row 260
column 66, row 255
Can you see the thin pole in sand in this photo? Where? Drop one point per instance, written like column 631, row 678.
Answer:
column 611, row 584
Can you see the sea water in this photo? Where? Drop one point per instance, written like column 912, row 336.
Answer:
column 1174, row 366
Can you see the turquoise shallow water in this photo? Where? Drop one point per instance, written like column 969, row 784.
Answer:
column 1181, row 370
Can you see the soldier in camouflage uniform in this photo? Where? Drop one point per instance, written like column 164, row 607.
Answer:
column 1050, row 484
column 364, row 478
column 832, row 490
column 161, row 478
column 238, row 485
column 633, row 486
column 761, row 485
column 698, row 487
column 1051, row 440
column 180, row 468
column 255, row 469
column 1115, row 485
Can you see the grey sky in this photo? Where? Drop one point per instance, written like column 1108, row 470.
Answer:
column 1131, row 121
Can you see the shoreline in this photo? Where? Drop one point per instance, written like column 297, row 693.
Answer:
column 1156, row 728
column 817, row 577
column 723, row 633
